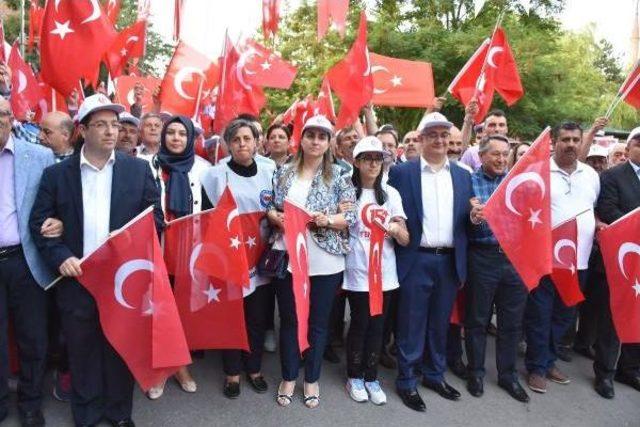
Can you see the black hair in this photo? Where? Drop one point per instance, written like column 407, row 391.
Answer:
column 378, row 191
column 281, row 126
column 496, row 112
column 389, row 131
column 566, row 125
column 248, row 117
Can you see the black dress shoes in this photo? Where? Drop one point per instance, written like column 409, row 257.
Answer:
column 31, row 419
column 231, row 389
column 515, row 390
column 258, row 384
column 630, row 380
column 604, row 387
column 459, row 369
column 123, row 423
column 475, row 387
column 330, row 355
column 412, row 399
column 443, row 389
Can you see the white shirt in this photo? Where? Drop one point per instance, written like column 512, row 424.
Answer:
column 437, row 206
column 356, row 277
column 96, row 202
column 572, row 194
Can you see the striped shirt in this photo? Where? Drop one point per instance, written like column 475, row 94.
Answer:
column 483, row 187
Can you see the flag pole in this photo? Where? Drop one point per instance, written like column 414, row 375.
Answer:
column 486, row 58
column 21, row 27
column 198, row 99
column 620, row 96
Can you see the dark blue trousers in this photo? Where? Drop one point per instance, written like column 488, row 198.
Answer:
column 426, row 299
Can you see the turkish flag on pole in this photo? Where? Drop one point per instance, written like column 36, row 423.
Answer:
column 211, row 310
column 335, row 10
column 189, row 76
column 270, row 17
column 351, row 78
column 463, row 85
column 75, row 35
column 502, row 64
column 630, row 89
column 51, row 101
column 113, row 10
column 565, row 259
column 401, row 83
column 376, row 240
column 620, row 246
column 226, row 259
column 25, row 91
column 128, row 279
column 36, row 14
column 297, row 115
column 296, row 219
column 125, row 91
column 129, row 44
column 519, row 213
column 324, row 102
column 262, row 67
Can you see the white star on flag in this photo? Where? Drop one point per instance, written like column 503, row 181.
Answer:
column 251, row 241
column 212, row 294
column 123, row 52
column 62, row 29
column 235, row 242
column 535, row 217
column 396, row 81
column 265, row 65
column 636, row 287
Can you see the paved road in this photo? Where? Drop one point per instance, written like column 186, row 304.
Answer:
column 575, row 404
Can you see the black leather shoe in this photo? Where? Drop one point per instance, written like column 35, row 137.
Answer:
column 330, row 355
column 564, row 353
column 31, row 419
column 587, row 352
column 604, row 387
column 475, row 387
column 387, row 360
column 258, row 384
column 231, row 389
column 412, row 399
column 123, row 423
column 631, row 381
column 459, row 369
column 443, row 389
column 515, row 390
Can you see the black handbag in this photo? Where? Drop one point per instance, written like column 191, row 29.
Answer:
column 273, row 263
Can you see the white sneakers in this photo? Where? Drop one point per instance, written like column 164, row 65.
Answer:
column 361, row 391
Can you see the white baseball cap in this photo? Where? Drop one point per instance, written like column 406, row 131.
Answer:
column 432, row 120
column 318, row 122
column 97, row 102
column 126, row 117
column 369, row 144
column 597, row 150
column 633, row 134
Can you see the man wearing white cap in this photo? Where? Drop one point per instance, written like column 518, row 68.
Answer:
column 96, row 191
column 128, row 134
column 434, row 264
column 597, row 158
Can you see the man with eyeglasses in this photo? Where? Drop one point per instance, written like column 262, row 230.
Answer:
column 150, row 130
column 23, row 272
column 575, row 187
column 434, row 264
column 93, row 193
column 56, row 130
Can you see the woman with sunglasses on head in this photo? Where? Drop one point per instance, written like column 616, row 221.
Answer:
column 376, row 202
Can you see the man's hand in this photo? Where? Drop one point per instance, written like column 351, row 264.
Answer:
column 477, row 211
column 599, row 124
column 52, row 228
column 71, row 267
column 471, row 110
column 138, row 92
column 438, row 102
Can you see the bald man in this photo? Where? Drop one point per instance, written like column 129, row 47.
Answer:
column 617, row 154
column 56, row 129
column 454, row 151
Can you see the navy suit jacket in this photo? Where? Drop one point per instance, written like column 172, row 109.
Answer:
column 133, row 189
column 406, row 178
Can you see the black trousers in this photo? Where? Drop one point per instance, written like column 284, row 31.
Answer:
column 336, row 322
column 454, row 343
column 391, row 319
column 256, row 311
column 364, row 339
column 21, row 297
column 492, row 279
column 102, row 384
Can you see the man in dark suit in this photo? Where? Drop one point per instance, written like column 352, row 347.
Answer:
column 435, row 195
column 93, row 193
column 619, row 195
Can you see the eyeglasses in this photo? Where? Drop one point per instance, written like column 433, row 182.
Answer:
column 102, row 126
column 371, row 158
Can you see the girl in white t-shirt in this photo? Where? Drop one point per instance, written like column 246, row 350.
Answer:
column 375, row 202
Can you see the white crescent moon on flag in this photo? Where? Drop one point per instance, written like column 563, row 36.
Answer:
column 626, row 248
column 179, row 79
column 195, row 252
column 123, row 273
column 234, row 213
column 375, row 69
column 376, row 256
column 301, row 243
column 95, row 14
column 240, row 68
column 56, row 4
column 563, row 243
column 132, row 38
column 492, row 52
column 368, row 70
column 515, row 183
column 22, row 82
column 131, row 97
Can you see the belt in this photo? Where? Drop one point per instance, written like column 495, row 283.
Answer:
column 8, row 251
column 437, row 251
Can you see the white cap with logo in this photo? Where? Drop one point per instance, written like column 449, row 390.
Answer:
column 597, row 150
column 97, row 102
column 369, row 144
column 318, row 122
column 433, row 120
column 633, row 134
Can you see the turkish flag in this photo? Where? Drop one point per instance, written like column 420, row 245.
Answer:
column 376, row 240
column 235, row 94
column 262, row 67
column 463, row 86
column 565, row 259
column 502, row 64
column 189, row 77
column 296, row 219
column 620, row 246
column 270, row 17
column 324, row 102
column 36, row 14
column 519, row 213
column 630, row 89
column 25, row 91
column 226, row 258
column 52, row 100
column 113, row 10
column 401, row 83
column 125, row 91
column 297, row 115
column 351, row 78
column 211, row 310
column 335, row 10
column 129, row 44
column 128, row 279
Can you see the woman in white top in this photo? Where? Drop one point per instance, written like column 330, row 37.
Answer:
column 381, row 203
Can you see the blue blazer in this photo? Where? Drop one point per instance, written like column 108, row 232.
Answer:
column 406, row 178
column 30, row 160
column 133, row 189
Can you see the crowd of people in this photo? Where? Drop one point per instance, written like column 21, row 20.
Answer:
column 90, row 174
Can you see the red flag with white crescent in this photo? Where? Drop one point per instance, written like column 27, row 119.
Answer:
column 263, row 67
column 128, row 45
column 620, row 246
column 630, row 89
column 376, row 241
column 401, row 83
column 332, row 10
column 36, row 14
column 296, row 219
column 519, row 213
column 270, row 17
column 25, row 91
column 125, row 88
column 113, row 10
column 565, row 259
column 128, row 279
